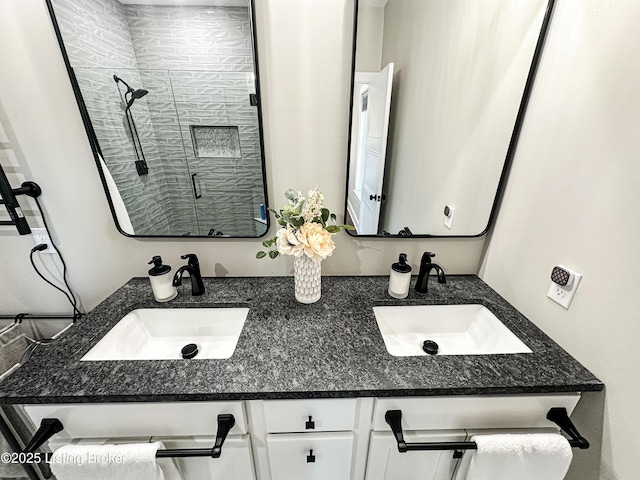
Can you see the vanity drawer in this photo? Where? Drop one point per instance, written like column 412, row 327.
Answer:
column 313, row 456
column 235, row 462
column 456, row 412
column 139, row 419
column 324, row 415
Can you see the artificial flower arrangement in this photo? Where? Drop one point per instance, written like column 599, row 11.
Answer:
column 305, row 230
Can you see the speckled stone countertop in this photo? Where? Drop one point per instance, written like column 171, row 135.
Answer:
column 332, row 348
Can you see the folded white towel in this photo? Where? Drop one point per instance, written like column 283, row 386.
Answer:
column 535, row 456
column 132, row 461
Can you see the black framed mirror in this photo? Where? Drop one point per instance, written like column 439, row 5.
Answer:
column 439, row 95
column 169, row 95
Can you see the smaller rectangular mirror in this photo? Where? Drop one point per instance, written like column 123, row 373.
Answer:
column 169, row 95
column 439, row 94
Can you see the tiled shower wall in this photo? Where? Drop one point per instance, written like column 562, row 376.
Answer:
column 209, row 56
column 144, row 196
column 197, row 64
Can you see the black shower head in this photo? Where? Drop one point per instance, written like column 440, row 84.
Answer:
column 141, row 92
column 136, row 94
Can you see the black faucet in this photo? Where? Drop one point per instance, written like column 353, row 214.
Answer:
column 193, row 268
column 425, row 267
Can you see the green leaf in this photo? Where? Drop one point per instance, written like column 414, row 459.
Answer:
column 274, row 253
column 266, row 243
column 325, row 214
column 261, row 254
column 275, row 213
column 333, row 228
column 333, row 217
column 348, row 227
column 291, row 195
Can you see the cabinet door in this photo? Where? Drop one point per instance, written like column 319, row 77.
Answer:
column 312, row 456
column 386, row 463
column 235, row 463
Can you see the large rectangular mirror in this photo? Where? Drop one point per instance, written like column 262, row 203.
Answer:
column 439, row 94
column 169, row 94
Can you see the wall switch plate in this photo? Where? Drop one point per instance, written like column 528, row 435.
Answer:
column 40, row 235
column 563, row 294
column 448, row 216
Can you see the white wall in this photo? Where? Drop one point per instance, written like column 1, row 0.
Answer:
column 305, row 72
column 572, row 198
column 369, row 38
column 460, row 71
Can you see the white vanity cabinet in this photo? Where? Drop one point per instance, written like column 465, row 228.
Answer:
column 235, row 463
column 310, row 439
column 307, row 439
column 180, row 425
column 301, row 456
column 448, row 419
column 386, row 463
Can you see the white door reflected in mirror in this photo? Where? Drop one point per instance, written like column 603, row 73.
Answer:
column 369, row 152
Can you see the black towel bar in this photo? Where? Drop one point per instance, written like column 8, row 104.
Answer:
column 557, row 415
column 19, row 317
column 226, row 421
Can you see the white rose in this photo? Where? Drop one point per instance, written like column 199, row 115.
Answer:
column 317, row 242
column 288, row 244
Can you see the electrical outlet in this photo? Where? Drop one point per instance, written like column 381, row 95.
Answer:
column 40, row 235
column 563, row 294
column 448, row 216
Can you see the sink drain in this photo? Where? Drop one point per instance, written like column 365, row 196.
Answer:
column 430, row 347
column 189, row 351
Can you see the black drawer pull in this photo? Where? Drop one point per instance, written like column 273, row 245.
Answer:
column 310, row 424
column 311, row 458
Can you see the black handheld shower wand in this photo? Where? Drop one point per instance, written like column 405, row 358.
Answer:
column 141, row 163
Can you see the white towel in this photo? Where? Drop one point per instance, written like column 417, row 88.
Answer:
column 534, row 456
column 132, row 461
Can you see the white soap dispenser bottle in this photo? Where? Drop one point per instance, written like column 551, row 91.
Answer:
column 161, row 280
column 400, row 278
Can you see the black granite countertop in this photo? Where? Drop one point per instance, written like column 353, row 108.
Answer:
column 332, row 348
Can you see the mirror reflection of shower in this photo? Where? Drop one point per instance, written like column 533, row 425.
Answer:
column 185, row 82
column 141, row 162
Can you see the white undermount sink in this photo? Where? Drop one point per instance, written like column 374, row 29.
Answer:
column 456, row 329
column 162, row 333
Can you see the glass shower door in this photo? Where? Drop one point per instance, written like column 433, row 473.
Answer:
column 221, row 139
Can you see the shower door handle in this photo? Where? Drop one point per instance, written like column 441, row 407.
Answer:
column 193, row 182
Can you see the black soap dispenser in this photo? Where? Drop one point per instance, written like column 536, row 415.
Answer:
column 161, row 280
column 400, row 277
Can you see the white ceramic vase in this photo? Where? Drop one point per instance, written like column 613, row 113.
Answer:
column 306, row 274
